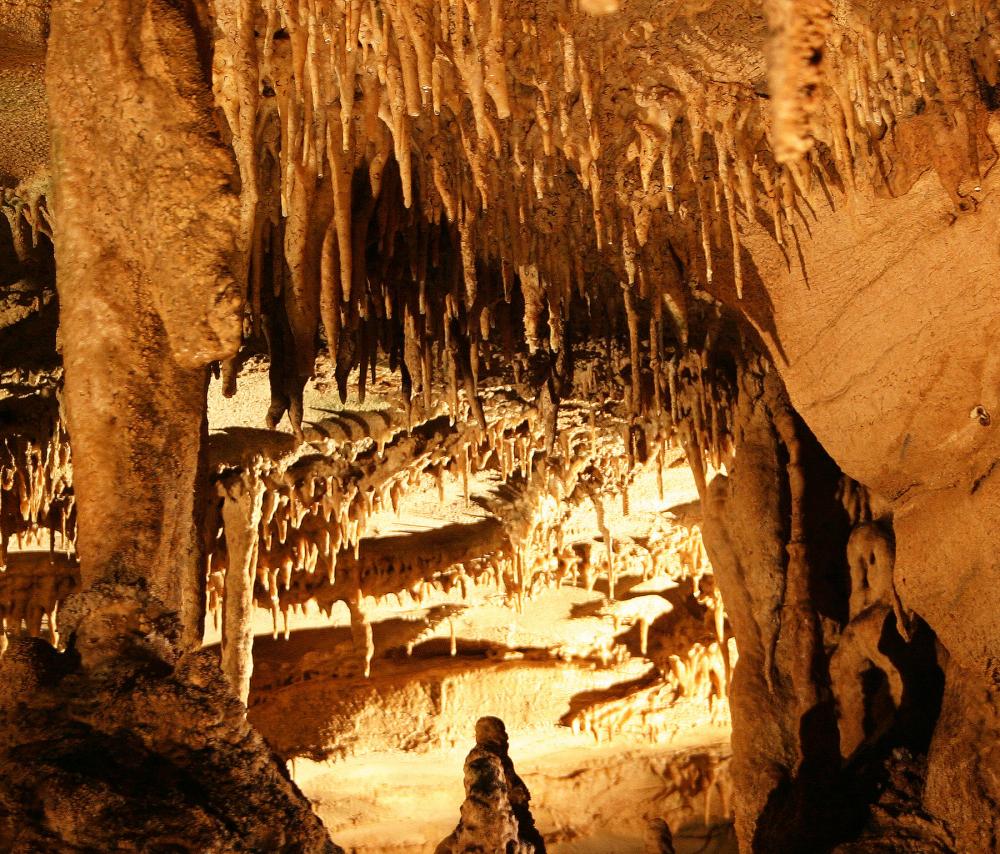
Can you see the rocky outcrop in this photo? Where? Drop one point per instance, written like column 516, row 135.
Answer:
column 496, row 816
column 785, row 757
column 126, row 741
column 834, row 675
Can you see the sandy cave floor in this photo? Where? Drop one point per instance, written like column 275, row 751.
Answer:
column 588, row 797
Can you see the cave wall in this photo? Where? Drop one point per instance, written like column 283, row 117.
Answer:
column 884, row 330
column 851, row 719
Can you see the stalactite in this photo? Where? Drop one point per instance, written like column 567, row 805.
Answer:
column 242, row 502
column 449, row 121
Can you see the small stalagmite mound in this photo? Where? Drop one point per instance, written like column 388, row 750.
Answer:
column 496, row 817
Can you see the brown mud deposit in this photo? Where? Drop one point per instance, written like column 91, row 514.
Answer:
column 485, row 349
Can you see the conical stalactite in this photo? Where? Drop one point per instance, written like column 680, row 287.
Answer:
column 32, row 587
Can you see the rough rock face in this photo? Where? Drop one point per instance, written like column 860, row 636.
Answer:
column 912, row 420
column 24, row 149
column 660, row 840
column 834, row 673
column 496, row 817
column 773, row 690
column 124, row 740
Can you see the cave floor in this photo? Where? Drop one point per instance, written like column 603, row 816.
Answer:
column 586, row 798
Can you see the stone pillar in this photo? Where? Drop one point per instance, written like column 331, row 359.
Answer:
column 772, row 532
column 145, row 225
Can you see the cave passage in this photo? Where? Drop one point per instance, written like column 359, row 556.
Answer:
column 474, row 426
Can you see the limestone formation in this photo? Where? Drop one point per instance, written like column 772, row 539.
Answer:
column 660, row 840
column 542, row 254
column 152, row 754
column 496, row 816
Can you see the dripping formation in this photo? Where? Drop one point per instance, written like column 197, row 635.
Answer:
column 513, row 267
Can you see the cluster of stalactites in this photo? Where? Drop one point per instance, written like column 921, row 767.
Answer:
column 406, row 166
column 32, row 586
column 842, row 77
column 702, row 402
column 409, row 571
column 698, row 680
column 37, row 507
column 321, row 505
column 885, row 63
column 28, row 206
column 699, row 672
column 37, row 528
column 311, row 517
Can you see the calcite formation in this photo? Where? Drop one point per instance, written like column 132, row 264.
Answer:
column 425, row 660
column 294, row 523
column 577, row 236
column 496, row 815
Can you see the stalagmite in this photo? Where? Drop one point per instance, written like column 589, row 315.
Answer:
column 496, row 812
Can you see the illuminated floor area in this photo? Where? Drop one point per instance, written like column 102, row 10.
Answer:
column 586, row 798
